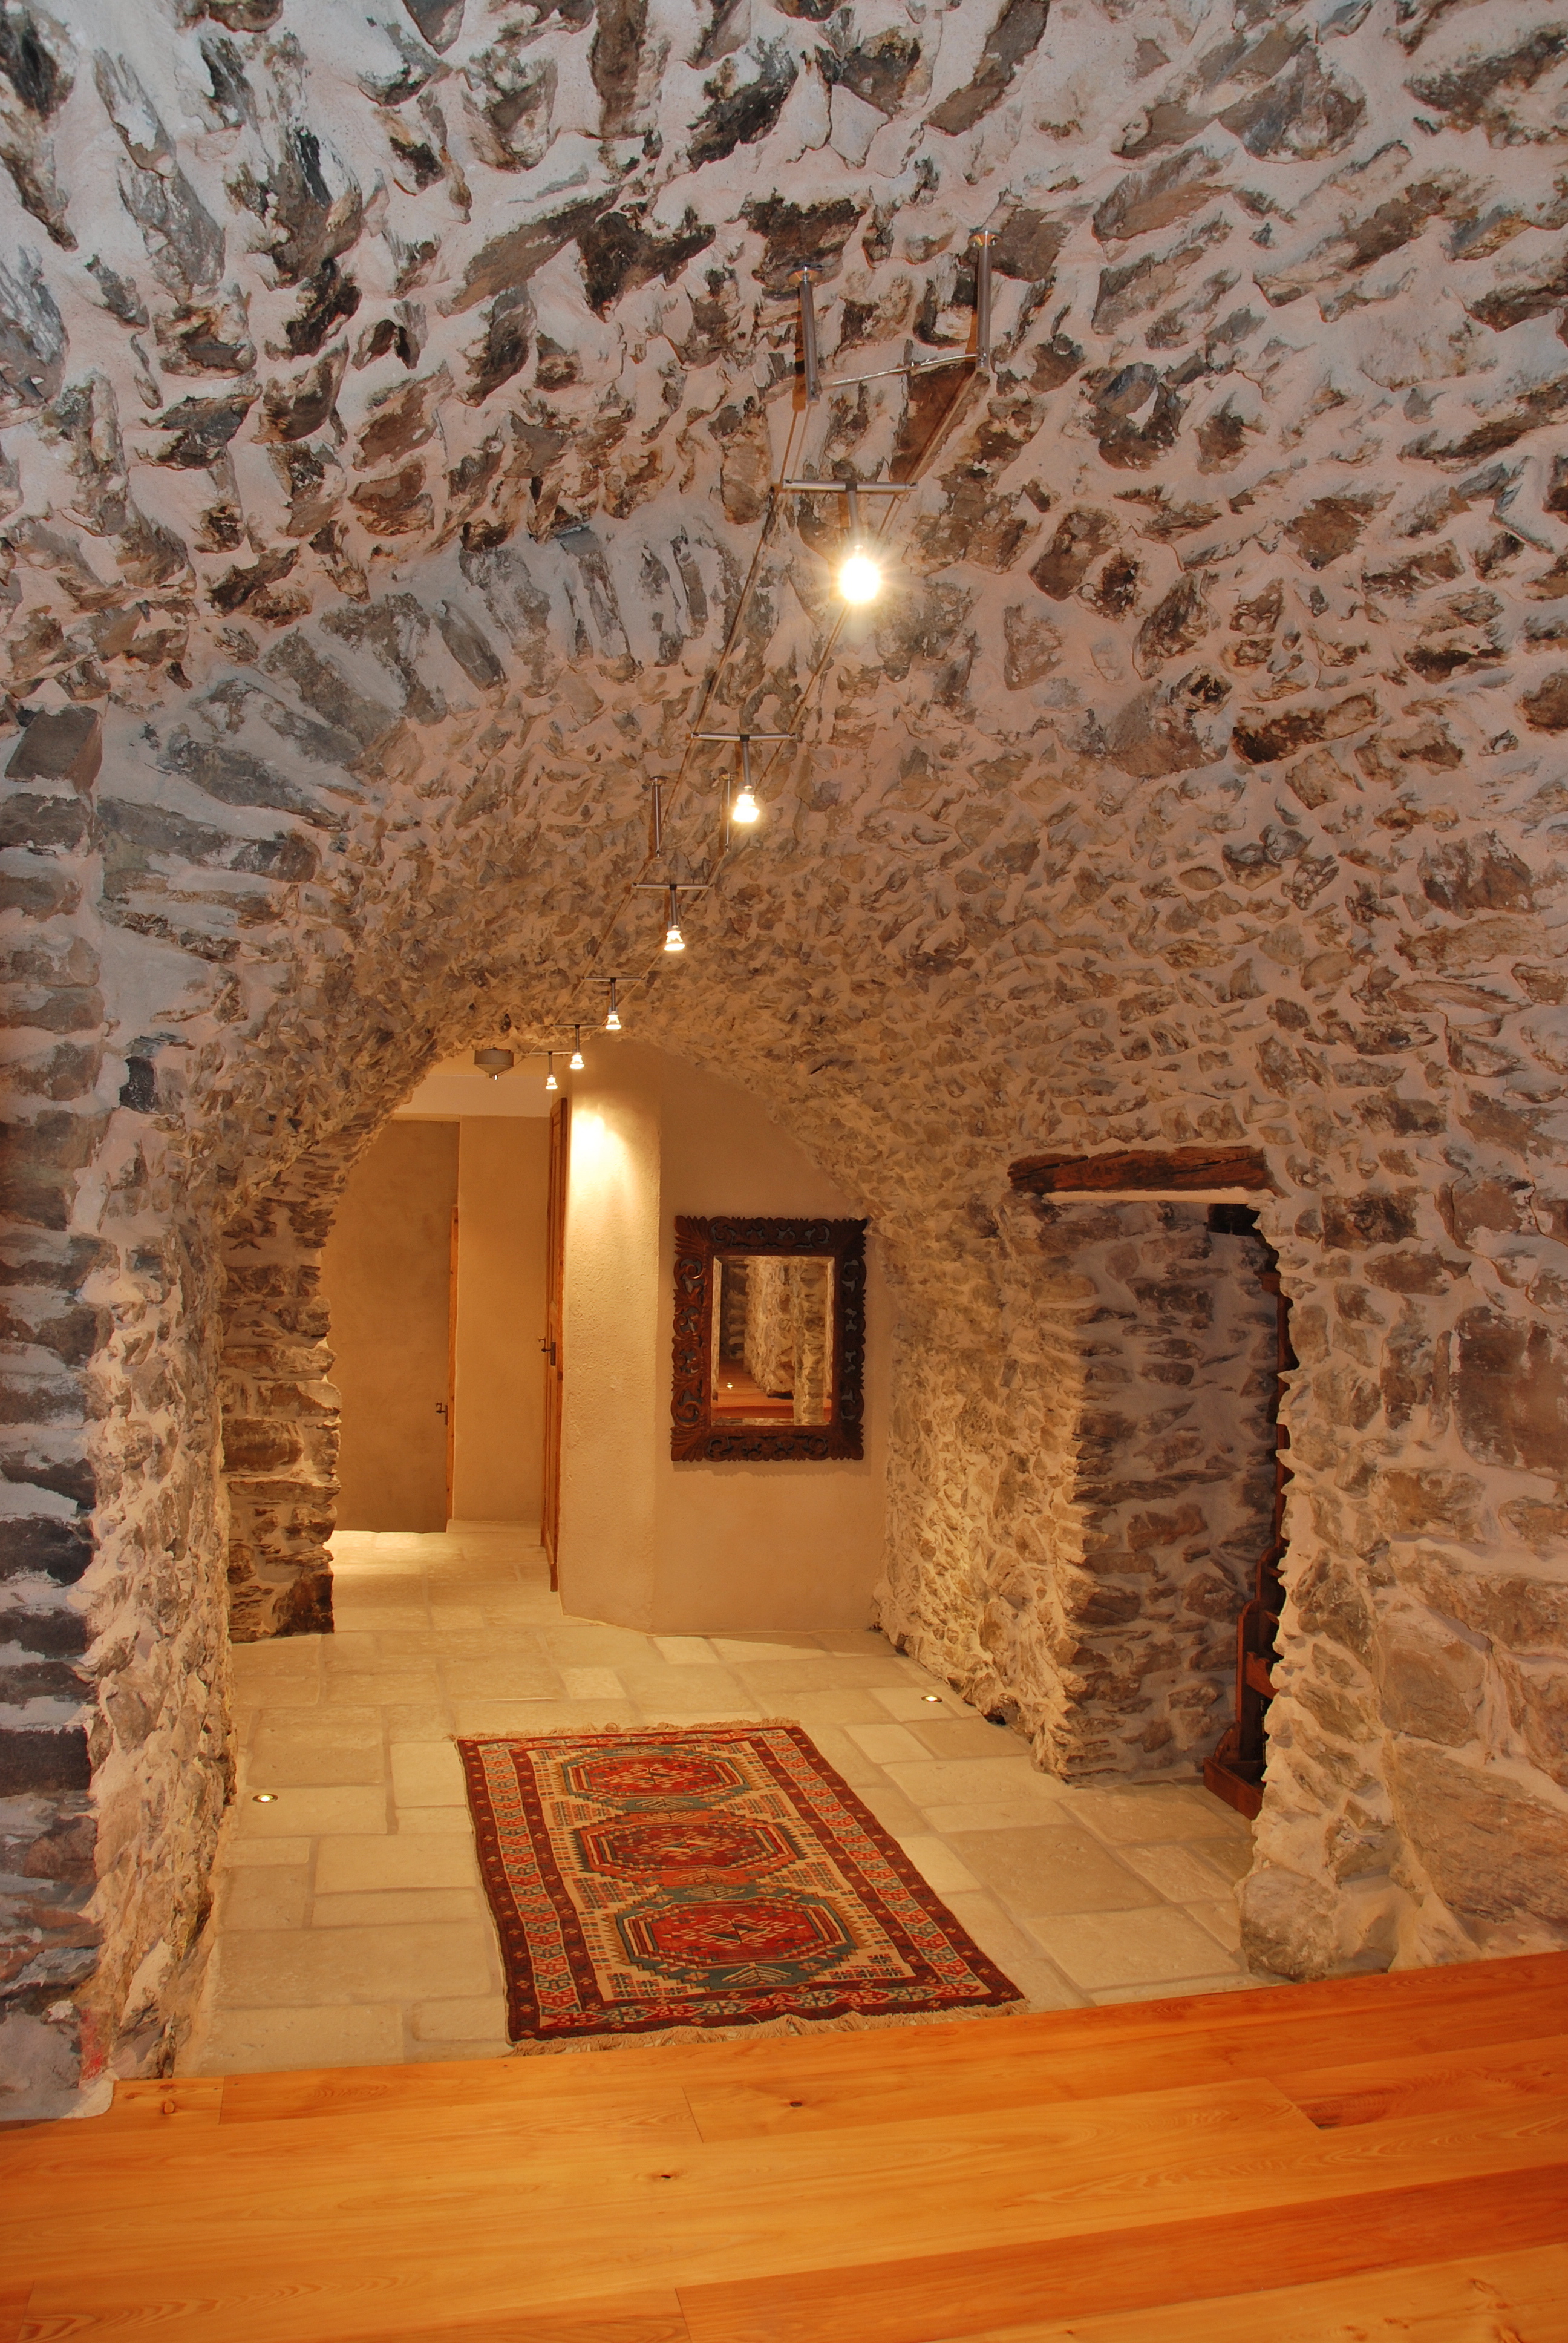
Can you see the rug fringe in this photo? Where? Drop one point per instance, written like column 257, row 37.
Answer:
column 709, row 1724
column 772, row 2029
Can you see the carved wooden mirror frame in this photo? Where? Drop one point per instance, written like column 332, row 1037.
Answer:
column 699, row 1245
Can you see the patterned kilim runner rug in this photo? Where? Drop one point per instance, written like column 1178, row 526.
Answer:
column 720, row 1876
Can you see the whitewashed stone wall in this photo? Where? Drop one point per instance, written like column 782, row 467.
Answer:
column 388, row 397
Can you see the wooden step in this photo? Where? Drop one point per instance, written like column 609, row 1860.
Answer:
column 537, row 2228
column 905, row 2185
column 1521, row 2297
column 1473, row 1989
column 939, row 2297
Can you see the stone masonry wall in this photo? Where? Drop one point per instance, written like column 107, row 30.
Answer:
column 281, row 1416
column 388, row 401
column 1137, row 1491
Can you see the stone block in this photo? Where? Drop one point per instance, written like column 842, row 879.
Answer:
column 44, row 1759
column 1430, row 1682
column 67, row 746
column 1494, row 1852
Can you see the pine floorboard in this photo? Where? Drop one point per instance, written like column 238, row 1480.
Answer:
column 1354, row 2154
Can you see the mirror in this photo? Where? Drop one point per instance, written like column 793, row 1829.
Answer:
column 772, row 1337
column 769, row 1337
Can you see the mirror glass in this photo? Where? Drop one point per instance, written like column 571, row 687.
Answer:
column 773, row 1338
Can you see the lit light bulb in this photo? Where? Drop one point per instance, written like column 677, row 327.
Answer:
column 550, row 1081
column 612, row 1023
column 859, row 577
column 576, row 1060
column 746, row 808
column 673, row 939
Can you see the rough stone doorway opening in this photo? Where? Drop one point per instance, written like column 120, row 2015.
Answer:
column 1158, row 1376
column 1234, row 1769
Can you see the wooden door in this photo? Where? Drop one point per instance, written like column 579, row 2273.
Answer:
column 555, row 1278
column 451, row 1408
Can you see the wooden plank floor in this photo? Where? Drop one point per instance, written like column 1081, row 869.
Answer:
column 1376, row 2159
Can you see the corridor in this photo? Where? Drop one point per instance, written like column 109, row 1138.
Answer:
column 351, row 1925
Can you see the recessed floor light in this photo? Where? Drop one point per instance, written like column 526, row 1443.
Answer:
column 264, row 1798
column 930, row 1695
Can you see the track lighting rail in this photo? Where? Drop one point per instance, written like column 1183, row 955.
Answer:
column 860, row 581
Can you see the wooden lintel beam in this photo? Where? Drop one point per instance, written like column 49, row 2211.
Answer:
column 1172, row 1170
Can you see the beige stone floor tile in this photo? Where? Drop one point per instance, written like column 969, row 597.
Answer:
column 445, row 2054
column 1097, row 1950
column 427, row 1774
column 1178, row 1988
column 354, row 1614
column 936, row 1781
column 861, row 1641
column 323, row 1724
column 989, row 1813
column 687, row 1651
column 356, row 1809
column 267, row 1895
column 300, row 1968
column 283, row 1761
column 887, row 1743
column 383, row 1687
column 765, row 1645
column 778, row 1679
column 238, row 1854
column 1222, row 1918
column 593, row 1684
column 434, row 1822
column 509, row 1676
column 272, row 1666
column 648, row 1683
column 455, row 1618
column 280, row 2040
column 843, row 1708
column 346, row 1866
column 417, row 1720
column 1231, row 1857
column 996, row 1931
column 481, row 2018
column 392, row 1907
column 911, row 1705
column 348, row 1648
column 476, row 1718
column 939, row 1865
column 585, row 1644
column 1043, row 1870
column 1042, row 1984
column 1181, row 1870
column 893, row 1810
column 841, row 1753
column 958, row 1737
column 1146, row 1812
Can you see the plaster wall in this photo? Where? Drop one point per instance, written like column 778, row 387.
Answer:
column 692, row 1548
column 386, row 1274
column 608, row 1547
column 503, row 1183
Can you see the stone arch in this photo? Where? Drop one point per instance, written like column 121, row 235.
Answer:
column 367, row 557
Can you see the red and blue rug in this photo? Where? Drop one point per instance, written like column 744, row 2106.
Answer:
column 721, row 1876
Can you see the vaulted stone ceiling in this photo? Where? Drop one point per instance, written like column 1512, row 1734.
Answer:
column 391, row 394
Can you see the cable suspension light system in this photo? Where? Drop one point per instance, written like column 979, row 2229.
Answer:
column 859, row 579
column 743, row 809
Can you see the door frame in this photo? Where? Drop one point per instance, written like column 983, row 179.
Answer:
column 551, row 1343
